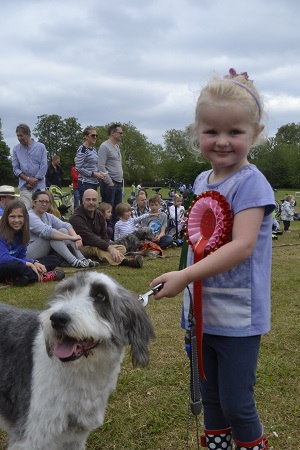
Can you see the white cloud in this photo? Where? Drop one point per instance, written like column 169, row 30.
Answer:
column 142, row 62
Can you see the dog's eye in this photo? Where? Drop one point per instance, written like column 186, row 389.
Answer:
column 98, row 293
column 99, row 297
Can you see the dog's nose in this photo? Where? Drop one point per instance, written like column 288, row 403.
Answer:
column 59, row 320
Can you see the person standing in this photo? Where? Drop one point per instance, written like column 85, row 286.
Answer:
column 29, row 163
column 110, row 161
column 86, row 163
column 287, row 212
column 54, row 173
column 236, row 277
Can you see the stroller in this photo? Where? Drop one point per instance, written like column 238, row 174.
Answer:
column 61, row 199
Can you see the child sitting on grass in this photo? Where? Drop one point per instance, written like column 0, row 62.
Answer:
column 158, row 223
column 15, row 268
column 106, row 210
column 127, row 224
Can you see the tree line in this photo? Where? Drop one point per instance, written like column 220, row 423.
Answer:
column 151, row 164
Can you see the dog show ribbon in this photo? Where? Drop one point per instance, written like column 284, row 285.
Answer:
column 209, row 226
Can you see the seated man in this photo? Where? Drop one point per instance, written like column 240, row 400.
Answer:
column 89, row 220
column 7, row 194
column 140, row 207
column 158, row 224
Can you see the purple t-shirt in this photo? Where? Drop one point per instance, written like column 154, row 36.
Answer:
column 237, row 302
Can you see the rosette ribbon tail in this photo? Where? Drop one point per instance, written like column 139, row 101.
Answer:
column 197, row 301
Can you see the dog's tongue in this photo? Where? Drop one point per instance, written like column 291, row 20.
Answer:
column 66, row 348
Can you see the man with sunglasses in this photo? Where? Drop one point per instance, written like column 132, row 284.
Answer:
column 86, row 163
column 110, row 162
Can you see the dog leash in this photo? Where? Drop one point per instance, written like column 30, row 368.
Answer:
column 195, row 404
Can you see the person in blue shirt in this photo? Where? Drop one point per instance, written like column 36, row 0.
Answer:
column 15, row 267
column 29, row 163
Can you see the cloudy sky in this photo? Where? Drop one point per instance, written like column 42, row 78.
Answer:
column 142, row 61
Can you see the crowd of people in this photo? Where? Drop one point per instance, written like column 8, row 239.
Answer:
column 40, row 239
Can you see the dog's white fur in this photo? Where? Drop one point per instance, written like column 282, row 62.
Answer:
column 65, row 401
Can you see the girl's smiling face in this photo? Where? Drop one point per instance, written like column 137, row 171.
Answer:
column 226, row 134
column 16, row 219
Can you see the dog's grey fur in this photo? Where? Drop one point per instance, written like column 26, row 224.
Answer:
column 133, row 241
column 48, row 401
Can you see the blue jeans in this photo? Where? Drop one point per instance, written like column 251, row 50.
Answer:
column 76, row 196
column 112, row 195
column 228, row 392
column 165, row 241
column 84, row 186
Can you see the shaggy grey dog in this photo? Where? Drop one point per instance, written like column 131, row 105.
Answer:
column 133, row 241
column 59, row 366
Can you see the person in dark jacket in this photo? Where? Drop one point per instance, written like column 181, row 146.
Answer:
column 90, row 222
column 54, row 173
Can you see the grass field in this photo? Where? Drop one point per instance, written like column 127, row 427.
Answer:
column 149, row 410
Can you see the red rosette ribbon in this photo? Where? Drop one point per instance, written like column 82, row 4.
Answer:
column 209, row 226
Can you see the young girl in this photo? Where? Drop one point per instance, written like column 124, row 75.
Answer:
column 48, row 233
column 287, row 212
column 236, row 277
column 127, row 224
column 15, row 267
column 106, row 210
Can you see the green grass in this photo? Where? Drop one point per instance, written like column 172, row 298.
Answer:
column 148, row 410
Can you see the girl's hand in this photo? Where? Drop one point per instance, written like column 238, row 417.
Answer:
column 78, row 244
column 36, row 267
column 173, row 284
column 76, row 239
column 40, row 267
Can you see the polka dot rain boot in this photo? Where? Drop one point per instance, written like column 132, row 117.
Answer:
column 261, row 443
column 217, row 439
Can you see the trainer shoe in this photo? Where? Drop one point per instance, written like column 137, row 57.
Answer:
column 53, row 275
column 90, row 263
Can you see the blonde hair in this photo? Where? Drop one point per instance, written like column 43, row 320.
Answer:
column 235, row 87
column 288, row 198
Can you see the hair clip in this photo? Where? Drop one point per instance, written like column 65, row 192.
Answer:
column 234, row 74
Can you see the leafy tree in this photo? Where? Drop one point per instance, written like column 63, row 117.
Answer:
column 61, row 137
column 49, row 131
column 178, row 161
column 288, row 134
column 6, row 172
column 71, row 140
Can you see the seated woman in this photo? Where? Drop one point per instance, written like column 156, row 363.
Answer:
column 48, row 233
column 15, row 267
